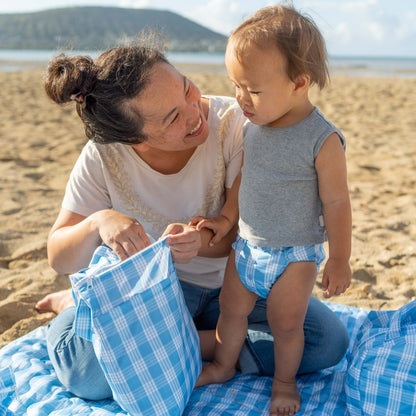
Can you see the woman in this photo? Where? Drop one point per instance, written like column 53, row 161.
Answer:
column 159, row 154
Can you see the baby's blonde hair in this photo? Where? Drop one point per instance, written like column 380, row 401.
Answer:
column 295, row 35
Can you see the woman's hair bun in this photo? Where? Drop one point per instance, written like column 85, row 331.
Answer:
column 66, row 76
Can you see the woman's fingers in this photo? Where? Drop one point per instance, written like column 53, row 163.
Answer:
column 123, row 234
column 184, row 241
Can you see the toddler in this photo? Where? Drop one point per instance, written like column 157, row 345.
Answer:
column 292, row 196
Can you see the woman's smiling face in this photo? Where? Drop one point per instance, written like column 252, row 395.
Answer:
column 172, row 111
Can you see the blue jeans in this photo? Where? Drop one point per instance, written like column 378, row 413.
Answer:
column 77, row 367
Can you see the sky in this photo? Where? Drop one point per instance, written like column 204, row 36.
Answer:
column 350, row 27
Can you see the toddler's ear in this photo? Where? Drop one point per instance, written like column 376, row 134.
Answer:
column 302, row 83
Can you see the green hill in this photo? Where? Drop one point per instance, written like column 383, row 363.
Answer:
column 98, row 28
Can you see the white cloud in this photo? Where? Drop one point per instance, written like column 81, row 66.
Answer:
column 339, row 39
column 357, row 7
column 376, row 31
column 365, row 27
column 220, row 15
column 406, row 29
column 136, row 4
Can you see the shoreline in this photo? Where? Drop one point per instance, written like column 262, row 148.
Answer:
column 40, row 142
column 368, row 67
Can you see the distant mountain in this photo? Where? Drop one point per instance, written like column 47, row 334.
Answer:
column 98, row 28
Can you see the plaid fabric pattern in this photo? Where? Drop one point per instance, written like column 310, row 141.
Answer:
column 35, row 390
column 144, row 337
column 260, row 267
column 7, row 386
column 381, row 378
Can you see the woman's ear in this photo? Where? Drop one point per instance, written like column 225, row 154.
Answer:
column 302, row 83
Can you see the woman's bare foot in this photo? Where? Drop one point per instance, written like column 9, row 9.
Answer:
column 285, row 398
column 214, row 373
column 55, row 302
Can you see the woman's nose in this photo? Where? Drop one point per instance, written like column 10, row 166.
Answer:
column 194, row 94
column 193, row 99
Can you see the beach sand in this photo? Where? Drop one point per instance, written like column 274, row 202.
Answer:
column 40, row 141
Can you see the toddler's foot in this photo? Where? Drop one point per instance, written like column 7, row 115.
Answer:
column 214, row 373
column 285, row 398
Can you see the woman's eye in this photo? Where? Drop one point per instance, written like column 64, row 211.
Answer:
column 254, row 92
column 175, row 118
column 188, row 87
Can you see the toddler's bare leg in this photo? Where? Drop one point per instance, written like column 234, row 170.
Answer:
column 286, row 309
column 236, row 302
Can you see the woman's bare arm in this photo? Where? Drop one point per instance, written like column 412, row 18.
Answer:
column 73, row 238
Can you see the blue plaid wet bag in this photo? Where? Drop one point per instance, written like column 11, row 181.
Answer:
column 146, row 342
column 381, row 377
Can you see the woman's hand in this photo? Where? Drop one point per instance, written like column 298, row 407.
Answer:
column 122, row 233
column 74, row 238
column 184, row 242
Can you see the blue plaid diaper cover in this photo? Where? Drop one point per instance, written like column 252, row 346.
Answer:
column 260, row 267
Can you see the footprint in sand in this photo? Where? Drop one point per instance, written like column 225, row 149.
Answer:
column 13, row 312
column 364, row 276
column 10, row 207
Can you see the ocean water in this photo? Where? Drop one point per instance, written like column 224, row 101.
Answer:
column 373, row 66
column 16, row 60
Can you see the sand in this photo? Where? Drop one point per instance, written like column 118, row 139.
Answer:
column 39, row 143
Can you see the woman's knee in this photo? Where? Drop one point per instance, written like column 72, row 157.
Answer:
column 326, row 342
column 88, row 383
column 326, row 338
column 74, row 360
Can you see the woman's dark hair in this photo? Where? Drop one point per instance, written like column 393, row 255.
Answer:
column 102, row 90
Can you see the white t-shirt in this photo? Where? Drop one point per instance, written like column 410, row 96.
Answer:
column 113, row 176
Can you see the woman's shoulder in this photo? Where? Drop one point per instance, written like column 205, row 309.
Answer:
column 221, row 104
column 223, row 108
column 96, row 151
column 96, row 157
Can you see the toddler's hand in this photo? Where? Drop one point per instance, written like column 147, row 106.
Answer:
column 336, row 277
column 220, row 226
column 196, row 220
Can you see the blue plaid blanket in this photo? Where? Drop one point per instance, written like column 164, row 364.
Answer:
column 376, row 377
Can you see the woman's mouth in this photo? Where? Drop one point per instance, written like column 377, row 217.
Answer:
column 197, row 129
